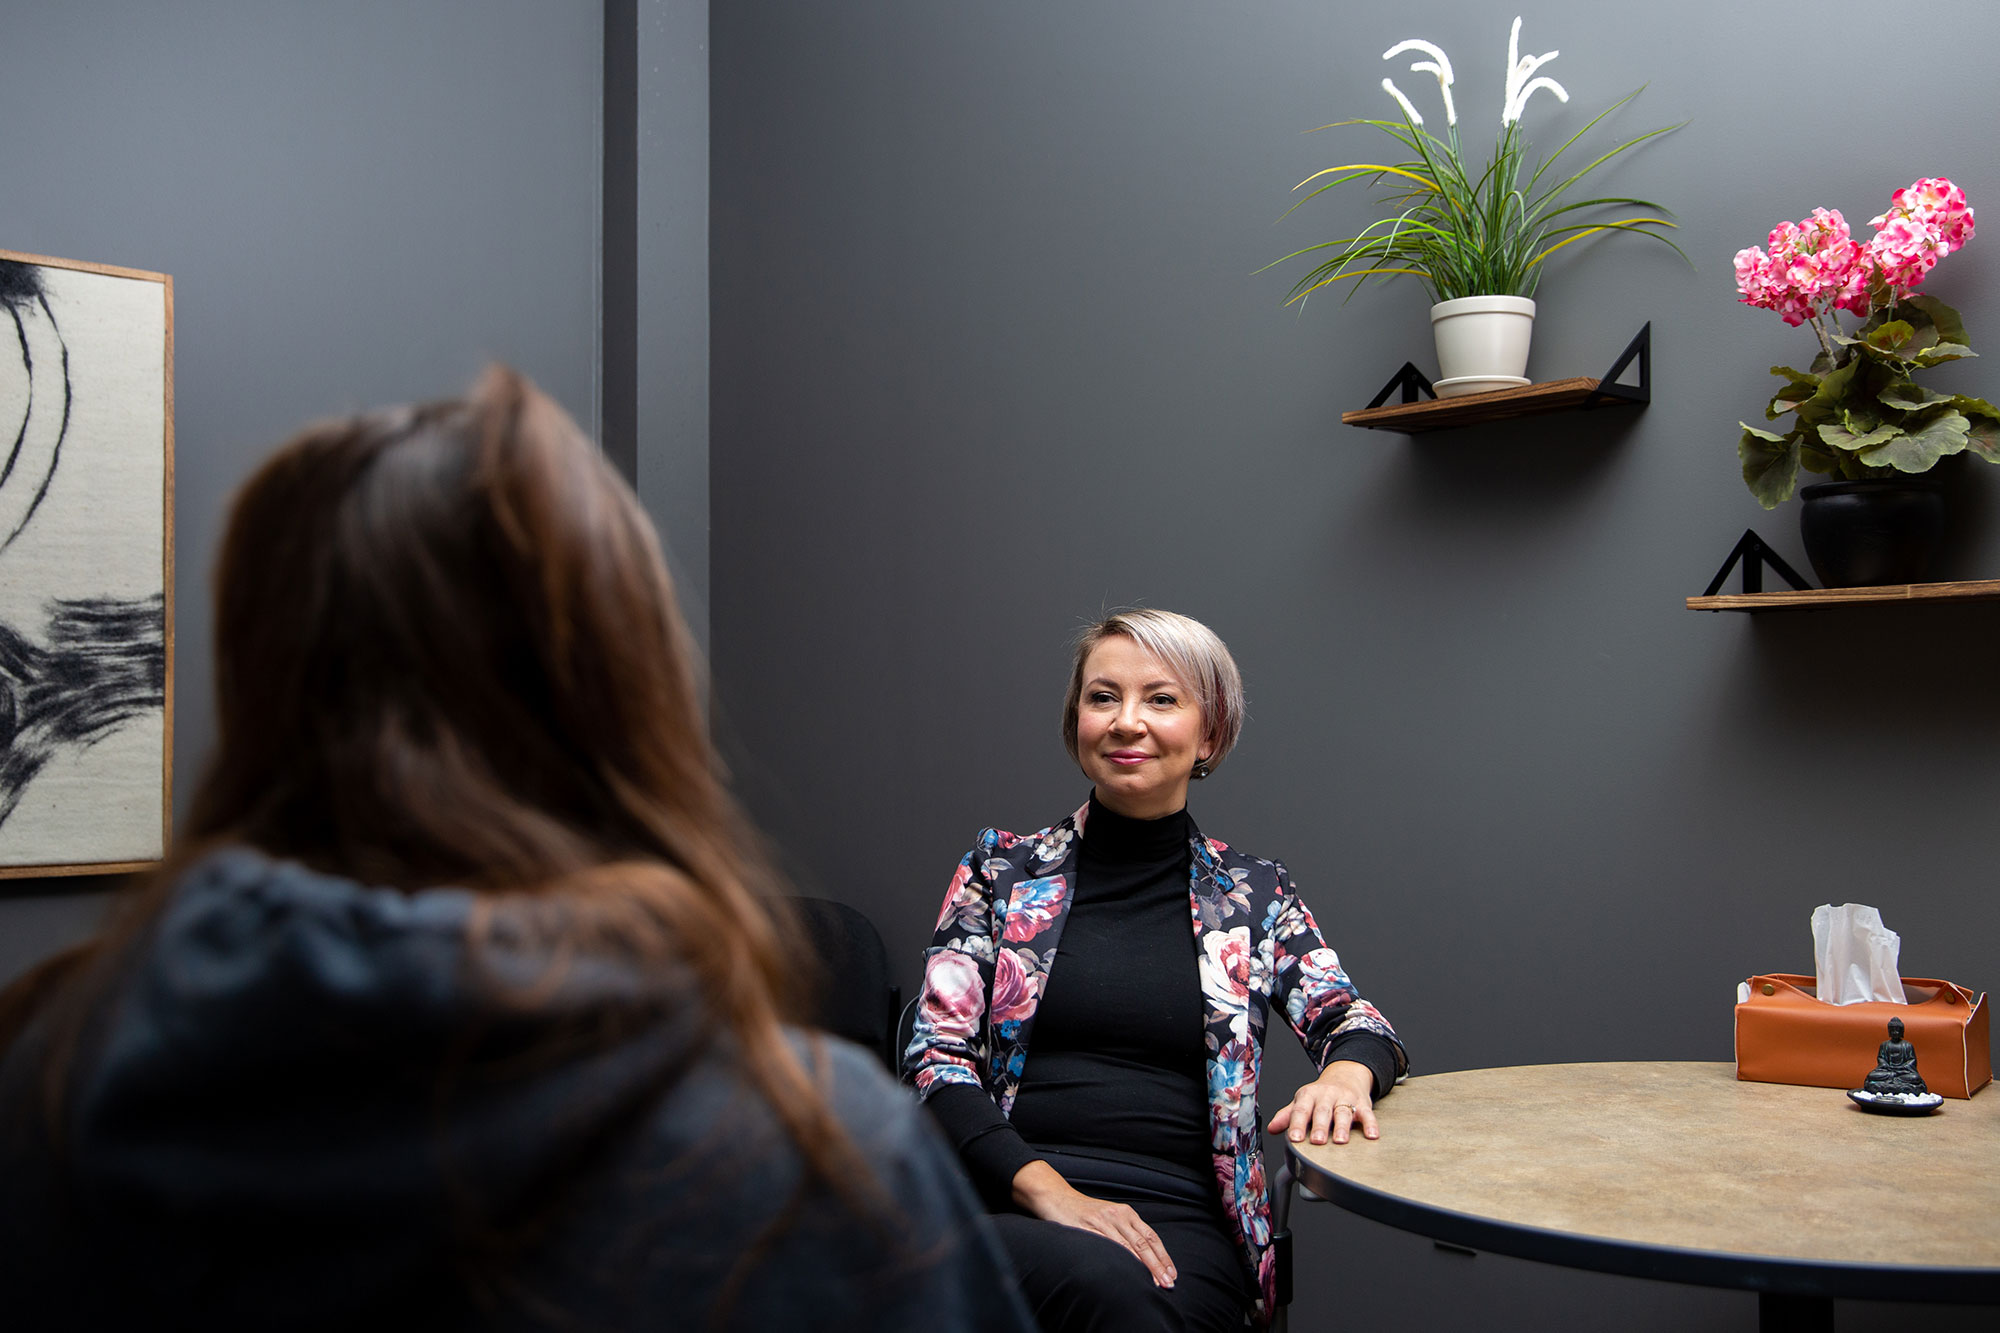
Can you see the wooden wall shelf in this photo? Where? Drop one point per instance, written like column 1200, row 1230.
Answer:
column 1445, row 413
column 1415, row 416
column 1984, row 590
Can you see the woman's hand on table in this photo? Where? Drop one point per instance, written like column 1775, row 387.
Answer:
column 1330, row 1105
column 1040, row 1189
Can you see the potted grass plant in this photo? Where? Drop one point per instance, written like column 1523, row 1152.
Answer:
column 1475, row 236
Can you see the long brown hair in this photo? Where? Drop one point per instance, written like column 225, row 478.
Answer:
column 447, row 651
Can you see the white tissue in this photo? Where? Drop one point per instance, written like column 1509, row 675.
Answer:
column 1855, row 955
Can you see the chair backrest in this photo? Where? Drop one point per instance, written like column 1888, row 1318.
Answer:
column 855, row 998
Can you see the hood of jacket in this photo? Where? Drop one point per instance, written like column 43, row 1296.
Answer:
column 314, row 1094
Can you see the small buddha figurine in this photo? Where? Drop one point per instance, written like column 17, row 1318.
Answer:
column 1895, row 1066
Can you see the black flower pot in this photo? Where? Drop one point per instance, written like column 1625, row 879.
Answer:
column 1874, row 531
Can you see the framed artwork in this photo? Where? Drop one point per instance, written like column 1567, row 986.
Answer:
column 86, row 566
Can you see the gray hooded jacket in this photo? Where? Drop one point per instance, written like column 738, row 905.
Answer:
column 301, row 1107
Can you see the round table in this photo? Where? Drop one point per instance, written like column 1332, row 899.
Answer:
column 1681, row 1173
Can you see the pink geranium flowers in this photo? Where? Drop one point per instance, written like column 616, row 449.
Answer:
column 1857, row 411
column 1924, row 223
column 1815, row 266
column 1811, row 266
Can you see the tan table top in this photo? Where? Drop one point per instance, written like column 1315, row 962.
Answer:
column 1678, row 1171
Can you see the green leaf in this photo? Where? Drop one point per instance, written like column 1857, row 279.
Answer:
column 1943, row 352
column 1881, row 339
column 1950, row 328
column 1461, row 224
column 1919, row 451
column 1829, row 398
column 1891, row 335
column 1908, row 396
column 1770, row 464
column 1983, row 439
column 1799, row 387
column 1815, row 459
column 1975, row 407
column 1844, row 437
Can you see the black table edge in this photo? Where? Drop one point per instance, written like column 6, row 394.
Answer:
column 1765, row 1274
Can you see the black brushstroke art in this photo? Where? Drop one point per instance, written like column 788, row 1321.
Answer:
column 103, row 660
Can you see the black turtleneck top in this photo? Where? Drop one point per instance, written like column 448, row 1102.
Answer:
column 1117, row 1067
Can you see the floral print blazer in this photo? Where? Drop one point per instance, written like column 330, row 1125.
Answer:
column 1256, row 945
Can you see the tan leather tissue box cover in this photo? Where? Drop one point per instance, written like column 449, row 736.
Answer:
column 1786, row 1034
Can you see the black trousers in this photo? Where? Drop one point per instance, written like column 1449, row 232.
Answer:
column 1080, row 1282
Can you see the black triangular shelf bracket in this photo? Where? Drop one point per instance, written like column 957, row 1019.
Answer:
column 1410, row 380
column 1609, row 391
column 1751, row 550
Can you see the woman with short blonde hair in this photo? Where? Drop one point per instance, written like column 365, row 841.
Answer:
column 1195, row 655
column 1136, row 1119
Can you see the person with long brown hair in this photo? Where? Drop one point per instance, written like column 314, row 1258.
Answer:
column 463, row 998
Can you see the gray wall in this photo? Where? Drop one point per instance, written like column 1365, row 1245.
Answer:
column 988, row 355
column 360, row 203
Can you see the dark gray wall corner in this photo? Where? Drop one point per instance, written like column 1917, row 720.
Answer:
column 618, row 244
column 988, row 356
column 654, row 268
column 670, row 232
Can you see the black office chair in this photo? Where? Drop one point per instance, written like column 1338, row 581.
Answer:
column 854, row 998
column 1285, row 1187
column 906, row 1031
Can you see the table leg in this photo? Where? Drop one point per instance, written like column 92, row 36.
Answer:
column 1794, row 1314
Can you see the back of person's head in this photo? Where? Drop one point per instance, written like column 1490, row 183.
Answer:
column 447, row 651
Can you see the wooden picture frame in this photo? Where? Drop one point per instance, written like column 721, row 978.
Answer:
column 86, row 567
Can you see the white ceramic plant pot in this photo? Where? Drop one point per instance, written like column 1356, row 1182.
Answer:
column 1482, row 343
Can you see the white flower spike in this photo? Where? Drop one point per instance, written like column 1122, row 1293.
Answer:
column 1521, row 80
column 1389, row 87
column 1438, row 64
column 1529, row 91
